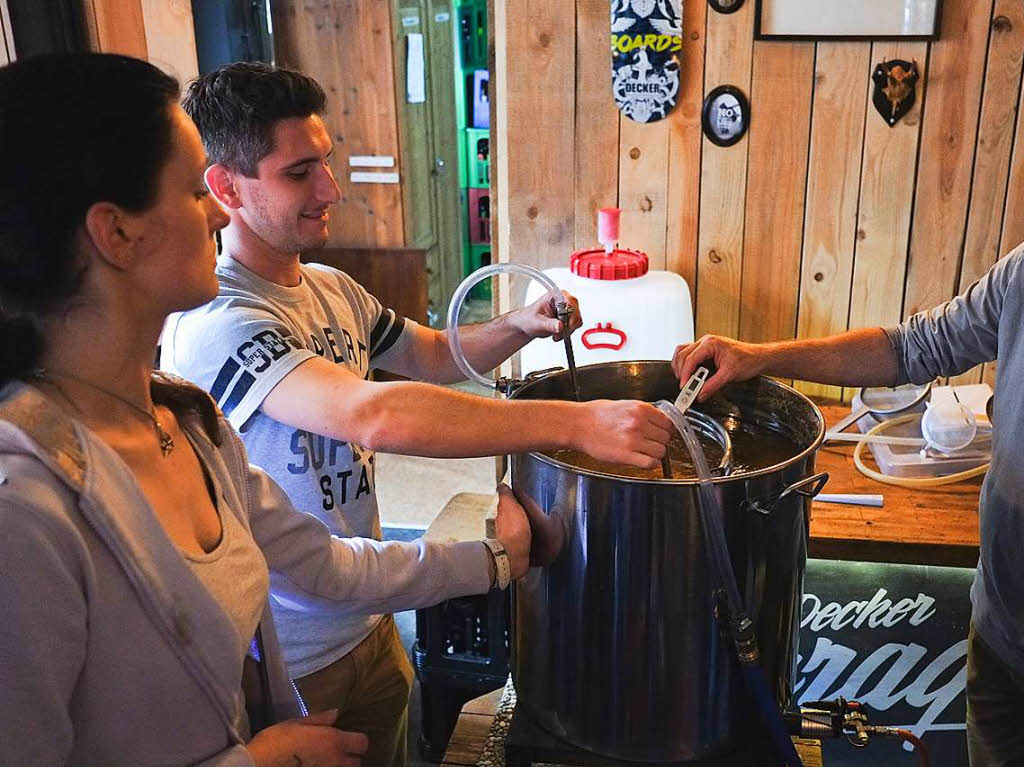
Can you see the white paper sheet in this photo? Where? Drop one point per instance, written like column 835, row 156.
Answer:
column 362, row 177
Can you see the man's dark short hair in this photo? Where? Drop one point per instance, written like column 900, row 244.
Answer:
column 237, row 106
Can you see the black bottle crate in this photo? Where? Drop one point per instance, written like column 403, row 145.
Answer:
column 461, row 652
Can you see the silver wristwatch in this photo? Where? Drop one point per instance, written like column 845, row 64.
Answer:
column 502, row 567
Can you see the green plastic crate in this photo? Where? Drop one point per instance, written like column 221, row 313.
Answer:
column 478, row 172
column 471, row 33
column 460, row 122
column 474, row 257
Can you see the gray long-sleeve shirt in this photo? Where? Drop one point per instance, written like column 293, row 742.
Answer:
column 984, row 323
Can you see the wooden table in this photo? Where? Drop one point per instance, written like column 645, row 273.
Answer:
column 936, row 526
column 474, row 725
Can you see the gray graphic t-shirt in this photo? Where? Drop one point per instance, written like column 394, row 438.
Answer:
column 239, row 347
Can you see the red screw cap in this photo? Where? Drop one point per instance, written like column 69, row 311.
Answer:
column 618, row 265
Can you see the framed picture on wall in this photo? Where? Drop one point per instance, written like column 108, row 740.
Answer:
column 847, row 20
column 725, row 6
column 725, row 115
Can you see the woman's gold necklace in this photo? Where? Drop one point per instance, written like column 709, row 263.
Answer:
column 166, row 440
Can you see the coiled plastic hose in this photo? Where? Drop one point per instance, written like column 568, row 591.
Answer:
column 867, row 471
column 455, row 307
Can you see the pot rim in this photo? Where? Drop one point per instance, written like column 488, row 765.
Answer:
column 809, row 450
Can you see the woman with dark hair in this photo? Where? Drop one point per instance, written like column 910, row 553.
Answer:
column 137, row 542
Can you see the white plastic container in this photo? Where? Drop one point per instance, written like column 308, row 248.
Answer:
column 629, row 312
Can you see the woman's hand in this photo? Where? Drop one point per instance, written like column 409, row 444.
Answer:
column 548, row 532
column 512, row 528
column 311, row 741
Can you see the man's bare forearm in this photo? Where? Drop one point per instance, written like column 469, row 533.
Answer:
column 408, row 418
column 485, row 346
column 857, row 358
column 422, row 419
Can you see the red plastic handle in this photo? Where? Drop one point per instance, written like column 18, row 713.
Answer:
column 604, row 328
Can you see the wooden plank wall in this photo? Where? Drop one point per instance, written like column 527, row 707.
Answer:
column 596, row 167
column 116, row 26
column 537, row 208
column 776, row 182
column 823, row 217
column 171, row 37
column 833, row 187
column 991, row 203
column 728, row 59
column 160, row 31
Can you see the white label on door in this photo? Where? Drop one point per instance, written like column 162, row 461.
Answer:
column 410, row 21
column 371, row 161
column 362, row 177
column 415, row 70
column 442, row 17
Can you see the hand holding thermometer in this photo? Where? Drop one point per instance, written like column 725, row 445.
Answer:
column 691, row 389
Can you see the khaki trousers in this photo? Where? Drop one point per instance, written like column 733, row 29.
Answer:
column 370, row 688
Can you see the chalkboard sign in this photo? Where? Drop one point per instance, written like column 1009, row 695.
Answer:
column 893, row 637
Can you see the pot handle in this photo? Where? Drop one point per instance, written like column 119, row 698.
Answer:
column 509, row 386
column 807, row 487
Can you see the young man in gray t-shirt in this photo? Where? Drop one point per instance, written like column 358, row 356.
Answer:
column 286, row 350
column 984, row 322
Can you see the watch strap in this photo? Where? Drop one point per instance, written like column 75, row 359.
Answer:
column 502, row 566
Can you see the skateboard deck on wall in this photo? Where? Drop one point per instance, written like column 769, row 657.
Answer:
column 646, row 43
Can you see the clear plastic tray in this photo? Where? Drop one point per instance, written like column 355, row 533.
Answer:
column 902, row 461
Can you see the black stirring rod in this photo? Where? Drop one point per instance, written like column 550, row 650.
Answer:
column 563, row 315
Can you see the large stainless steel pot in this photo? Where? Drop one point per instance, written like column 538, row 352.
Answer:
column 618, row 649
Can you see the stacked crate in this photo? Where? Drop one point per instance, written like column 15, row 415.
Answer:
column 472, row 90
column 461, row 652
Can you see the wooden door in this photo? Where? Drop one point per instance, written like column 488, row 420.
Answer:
column 429, row 144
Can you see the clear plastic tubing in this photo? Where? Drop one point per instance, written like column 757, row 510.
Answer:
column 455, row 307
column 718, row 554
column 714, row 534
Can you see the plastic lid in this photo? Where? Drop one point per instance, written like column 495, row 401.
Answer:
column 948, row 426
column 617, row 265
